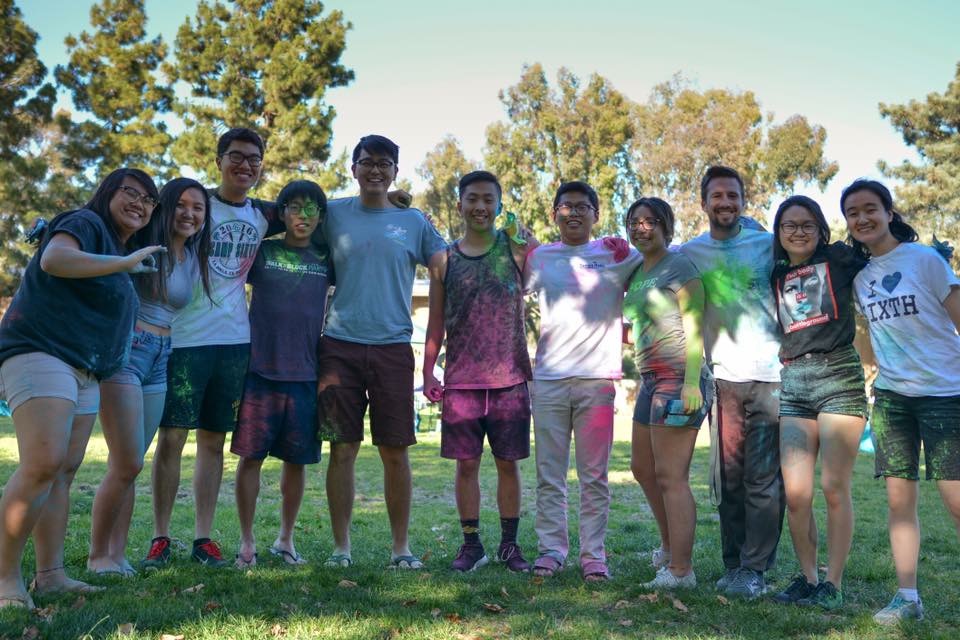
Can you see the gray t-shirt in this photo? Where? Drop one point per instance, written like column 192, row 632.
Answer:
column 740, row 330
column 652, row 308
column 375, row 254
column 180, row 285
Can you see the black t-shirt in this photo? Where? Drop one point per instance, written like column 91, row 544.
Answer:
column 86, row 322
column 815, row 301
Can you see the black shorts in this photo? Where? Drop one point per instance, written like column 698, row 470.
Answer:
column 204, row 385
column 900, row 423
column 278, row 418
column 823, row 383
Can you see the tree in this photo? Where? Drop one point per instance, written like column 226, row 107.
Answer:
column 112, row 76
column 930, row 193
column 442, row 168
column 26, row 102
column 551, row 136
column 681, row 131
column 264, row 64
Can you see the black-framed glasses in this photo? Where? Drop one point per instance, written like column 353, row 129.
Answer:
column 237, row 158
column 582, row 208
column 647, row 224
column 135, row 196
column 368, row 164
column 308, row 210
column 790, row 228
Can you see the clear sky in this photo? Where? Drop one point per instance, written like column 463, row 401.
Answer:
column 425, row 68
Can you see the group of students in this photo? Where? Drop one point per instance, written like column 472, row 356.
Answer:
column 755, row 329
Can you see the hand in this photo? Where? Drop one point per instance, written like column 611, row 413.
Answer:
column 692, row 399
column 619, row 247
column 400, row 198
column 142, row 260
column 432, row 389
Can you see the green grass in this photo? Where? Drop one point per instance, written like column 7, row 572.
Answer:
column 274, row 601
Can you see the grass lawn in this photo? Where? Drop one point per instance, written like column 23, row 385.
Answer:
column 367, row 601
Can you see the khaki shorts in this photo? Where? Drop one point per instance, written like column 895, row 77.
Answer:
column 40, row 375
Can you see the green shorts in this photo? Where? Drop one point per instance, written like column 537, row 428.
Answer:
column 900, row 423
column 204, row 387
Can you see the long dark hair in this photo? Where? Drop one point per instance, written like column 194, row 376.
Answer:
column 159, row 231
column 99, row 203
column 779, row 253
column 899, row 229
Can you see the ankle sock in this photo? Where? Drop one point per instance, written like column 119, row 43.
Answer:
column 471, row 531
column 909, row 594
column 508, row 529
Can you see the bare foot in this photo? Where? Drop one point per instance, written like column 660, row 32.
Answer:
column 17, row 597
column 59, row 582
column 104, row 567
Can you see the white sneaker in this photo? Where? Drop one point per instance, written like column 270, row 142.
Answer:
column 899, row 609
column 659, row 558
column 669, row 582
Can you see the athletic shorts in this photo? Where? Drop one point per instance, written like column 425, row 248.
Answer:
column 147, row 367
column 41, row 375
column 277, row 418
column 900, row 423
column 354, row 375
column 502, row 415
column 818, row 383
column 659, row 402
column 204, row 387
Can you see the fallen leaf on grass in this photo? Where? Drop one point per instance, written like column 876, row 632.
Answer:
column 626, row 623
column 194, row 589
column 30, row 633
column 79, row 602
column 424, row 576
column 435, row 613
column 125, row 629
column 426, row 556
column 538, row 580
column 649, row 597
column 679, row 606
column 277, row 631
column 503, row 592
column 346, row 584
column 211, row 606
column 493, row 607
column 409, row 603
column 621, row 604
column 46, row 613
column 452, row 617
column 722, row 600
column 170, row 636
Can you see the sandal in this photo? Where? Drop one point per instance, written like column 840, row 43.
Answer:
column 245, row 563
column 16, row 602
column 405, row 562
column 595, row 571
column 546, row 566
column 339, row 560
column 290, row 557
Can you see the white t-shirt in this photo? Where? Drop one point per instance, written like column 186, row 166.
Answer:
column 580, row 290
column 740, row 331
column 901, row 294
column 235, row 236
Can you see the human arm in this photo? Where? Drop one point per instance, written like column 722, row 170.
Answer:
column 432, row 388
column 627, row 329
column 952, row 305
column 690, row 298
column 399, row 198
column 63, row 258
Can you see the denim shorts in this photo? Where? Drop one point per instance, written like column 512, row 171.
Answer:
column 41, row 375
column 147, row 366
column 818, row 383
column 659, row 393
column 900, row 423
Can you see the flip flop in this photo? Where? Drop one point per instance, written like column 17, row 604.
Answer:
column 16, row 602
column 245, row 563
column 339, row 560
column 287, row 556
column 405, row 563
column 546, row 566
column 595, row 571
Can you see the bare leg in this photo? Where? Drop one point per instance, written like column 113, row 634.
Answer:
column 839, row 444
column 950, row 494
column 644, row 471
column 397, row 491
column 166, row 476
column 467, row 488
column 902, row 496
column 508, row 488
column 340, row 493
column 672, row 451
column 293, row 480
column 799, row 443
column 207, row 476
column 248, row 487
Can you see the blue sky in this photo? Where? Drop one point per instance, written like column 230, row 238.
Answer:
column 425, row 68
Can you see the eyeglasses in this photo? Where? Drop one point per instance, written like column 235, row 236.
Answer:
column 309, row 210
column 647, row 224
column 236, row 158
column 582, row 208
column 135, row 196
column 367, row 164
column 790, row 228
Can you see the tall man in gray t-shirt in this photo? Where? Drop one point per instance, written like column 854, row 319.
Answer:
column 365, row 354
column 741, row 344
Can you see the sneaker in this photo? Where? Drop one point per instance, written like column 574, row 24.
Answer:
column 510, row 554
column 669, row 582
column 159, row 554
column 746, row 584
column 826, row 595
column 659, row 558
column 727, row 578
column 798, row 589
column 207, row 553
column 470, row 557
column 899, row 609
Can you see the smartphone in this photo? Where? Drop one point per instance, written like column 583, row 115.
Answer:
column 675, row 414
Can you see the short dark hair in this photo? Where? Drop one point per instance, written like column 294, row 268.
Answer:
column 719, row 171
column 478, row 176
column 779, row 253
column 305, row 189
column 577, row 186
column 377, row 144
column 900, row 230
column 242, row 134
column 661, row 210
column 99, row 203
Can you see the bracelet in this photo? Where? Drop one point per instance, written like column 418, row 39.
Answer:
column 39, row 571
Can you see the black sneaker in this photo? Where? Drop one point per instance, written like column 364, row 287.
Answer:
column 470, row 557
column 798, row 589
column 159, row 554
column 826, row 596
column 207, row 553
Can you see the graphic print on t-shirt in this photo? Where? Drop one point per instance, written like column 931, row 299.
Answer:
column 233, row 247
column 877, row 307
column 806, row 298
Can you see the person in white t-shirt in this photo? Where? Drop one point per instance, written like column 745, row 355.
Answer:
column 579, row 283
column 911, row 299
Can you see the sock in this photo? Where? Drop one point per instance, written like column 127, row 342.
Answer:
column 200, row 541
column 471, row 531
column 508, row 529
column 911, row 595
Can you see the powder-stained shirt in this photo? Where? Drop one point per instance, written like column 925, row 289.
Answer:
column 286, row 312
column 483, row 317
